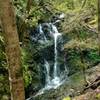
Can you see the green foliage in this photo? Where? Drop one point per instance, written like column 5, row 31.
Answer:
column 93, row 56
column 98, row 96
column 74, row 61
column 67, row 98
column 30, row 71
column 4, row 83
column 26, row 73
column 4, row 86
column 83, row 34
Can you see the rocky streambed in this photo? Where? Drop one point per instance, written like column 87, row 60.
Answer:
column 73, row 87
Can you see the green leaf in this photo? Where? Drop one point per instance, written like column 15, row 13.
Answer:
column 67, row 98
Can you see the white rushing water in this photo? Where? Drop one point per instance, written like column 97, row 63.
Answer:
column 47, row 66
column 42, row 33
column 55, row 80
column 56, row 35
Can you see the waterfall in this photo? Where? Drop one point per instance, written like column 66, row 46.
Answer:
column 56, row 55
column 52, row 72
column 55, row 81
column 47, row 66
column 56, row 35
column 42, row 33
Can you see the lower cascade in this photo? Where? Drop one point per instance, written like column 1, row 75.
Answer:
column 55, row 81
column 54, row 71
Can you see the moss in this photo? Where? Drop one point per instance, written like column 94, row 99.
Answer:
column 98, row 96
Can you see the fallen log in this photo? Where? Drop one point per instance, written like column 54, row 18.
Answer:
column 94, row 84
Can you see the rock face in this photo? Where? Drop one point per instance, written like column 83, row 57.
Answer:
column 75, row 85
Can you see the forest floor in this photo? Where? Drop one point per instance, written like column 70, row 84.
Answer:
column 90, row 94
column 92, row 90
column 76, row 88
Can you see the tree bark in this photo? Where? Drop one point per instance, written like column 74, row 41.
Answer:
column 12, row 48
column 99, row 25
column 23, row 34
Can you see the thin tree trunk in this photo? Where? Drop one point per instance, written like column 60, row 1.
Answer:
column 12, row 48
column 99, row 25
column 22, row 26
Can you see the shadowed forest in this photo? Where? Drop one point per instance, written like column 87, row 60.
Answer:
column 49, row 49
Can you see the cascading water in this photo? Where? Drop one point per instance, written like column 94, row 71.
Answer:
column 42, row 33
column 53, row 72
column 56, row 34
column 47, row 66
column 55, row 80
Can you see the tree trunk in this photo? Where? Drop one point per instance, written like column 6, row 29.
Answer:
column 99, row 25
column 12, row 48
column 23, row 33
